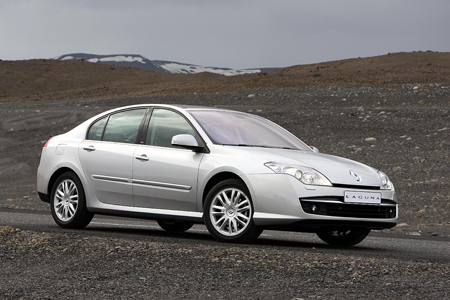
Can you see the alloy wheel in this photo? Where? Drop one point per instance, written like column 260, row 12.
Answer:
column 230, row 212
column 66, row 200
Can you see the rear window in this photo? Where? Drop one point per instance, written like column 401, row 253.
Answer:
column 96, row 131
column 121, row 127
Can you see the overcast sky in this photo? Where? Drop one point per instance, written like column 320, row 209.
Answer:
column 227, row 33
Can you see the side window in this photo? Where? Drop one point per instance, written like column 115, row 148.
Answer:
column 96, row 130
column 123, row 127
column 164, row 124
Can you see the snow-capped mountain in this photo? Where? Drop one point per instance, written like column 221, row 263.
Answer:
column 138, row 61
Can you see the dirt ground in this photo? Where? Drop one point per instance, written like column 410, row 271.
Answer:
column 37, row 80
column 410, row 124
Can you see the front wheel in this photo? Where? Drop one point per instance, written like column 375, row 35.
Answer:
column 175, row 226
column 68, row 202
column 343, row 237
column 229, row 212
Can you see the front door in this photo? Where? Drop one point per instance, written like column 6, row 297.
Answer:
column 164, row 176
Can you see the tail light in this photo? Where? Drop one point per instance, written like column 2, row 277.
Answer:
column 46, row 143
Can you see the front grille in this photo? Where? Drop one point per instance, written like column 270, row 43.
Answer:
column 349, row 186
column 349, row 210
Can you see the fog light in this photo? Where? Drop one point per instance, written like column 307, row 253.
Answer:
column 391, row 212
column 315, row 209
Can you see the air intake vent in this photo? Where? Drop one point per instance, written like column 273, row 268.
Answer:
column 349, row 210
column 360, row 187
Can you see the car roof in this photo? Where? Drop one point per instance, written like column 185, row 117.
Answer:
column 176, row 106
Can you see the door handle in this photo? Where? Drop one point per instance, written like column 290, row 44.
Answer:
column 143, row 157
column 89, row 148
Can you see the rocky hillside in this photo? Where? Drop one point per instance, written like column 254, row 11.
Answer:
column 69, row 79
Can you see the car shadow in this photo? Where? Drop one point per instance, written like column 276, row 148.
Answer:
column 193, row 236
column 147, row 232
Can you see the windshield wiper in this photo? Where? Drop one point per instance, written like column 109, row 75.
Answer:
column 240, row 145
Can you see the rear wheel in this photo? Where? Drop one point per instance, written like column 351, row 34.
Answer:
column 229, row 212
column 68, row 202
column 175, row 226
column 343, row 237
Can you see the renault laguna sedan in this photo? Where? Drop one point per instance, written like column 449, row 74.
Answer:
column 235, row 172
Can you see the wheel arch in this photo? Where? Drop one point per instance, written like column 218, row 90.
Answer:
column 219, row 177
column 55, row 176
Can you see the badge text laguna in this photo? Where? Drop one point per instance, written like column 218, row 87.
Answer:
column 361, row 197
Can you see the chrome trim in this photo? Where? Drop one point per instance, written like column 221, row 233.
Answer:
column 261, row 218
column 262, row 215
column 352, row 203
column 89, row 148
column 110, row 178
column 111, row 209
column 356, row 176
column 142, row 157
column 162, row 184
column 143, row 182
column 166, row 148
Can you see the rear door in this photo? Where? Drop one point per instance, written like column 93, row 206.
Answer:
column 107, row 156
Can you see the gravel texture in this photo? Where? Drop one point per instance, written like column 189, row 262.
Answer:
column 403, row 130
column 69, row 266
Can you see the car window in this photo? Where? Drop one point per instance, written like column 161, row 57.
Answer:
column 123, row 127
column 96, row 130
column 164, row 124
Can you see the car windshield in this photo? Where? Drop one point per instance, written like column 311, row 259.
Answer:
column 240, row 129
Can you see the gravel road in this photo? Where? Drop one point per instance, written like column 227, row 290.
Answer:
column 123, row 258
column 403, row 130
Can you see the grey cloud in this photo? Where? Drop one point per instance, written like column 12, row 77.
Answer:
column 236, row 34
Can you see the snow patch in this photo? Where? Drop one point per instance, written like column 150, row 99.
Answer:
column 190, row 69
column 119, row 58
column 156, row 65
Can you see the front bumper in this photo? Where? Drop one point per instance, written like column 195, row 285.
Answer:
column 278, row 201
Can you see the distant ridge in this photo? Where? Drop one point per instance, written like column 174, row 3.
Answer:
column 52, row 79
column 140, row 62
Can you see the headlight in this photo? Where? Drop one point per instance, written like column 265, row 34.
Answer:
column 386, row 184
column 304, row 174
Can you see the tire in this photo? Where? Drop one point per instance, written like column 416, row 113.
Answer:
column 175, row 225
column 343, row 237
column 68, row 202
column 229, row 220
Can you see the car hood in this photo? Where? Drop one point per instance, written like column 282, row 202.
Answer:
column 336, row 169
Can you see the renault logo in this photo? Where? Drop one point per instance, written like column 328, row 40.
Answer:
column 356, row 176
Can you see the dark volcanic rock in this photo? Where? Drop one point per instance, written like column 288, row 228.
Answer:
column 408, row 127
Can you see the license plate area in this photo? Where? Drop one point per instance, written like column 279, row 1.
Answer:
column 362, row 197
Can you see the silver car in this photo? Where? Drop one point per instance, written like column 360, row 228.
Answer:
column 235, row 172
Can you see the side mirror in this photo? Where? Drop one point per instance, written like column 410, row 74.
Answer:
column 186, row 141
column 314, row 149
